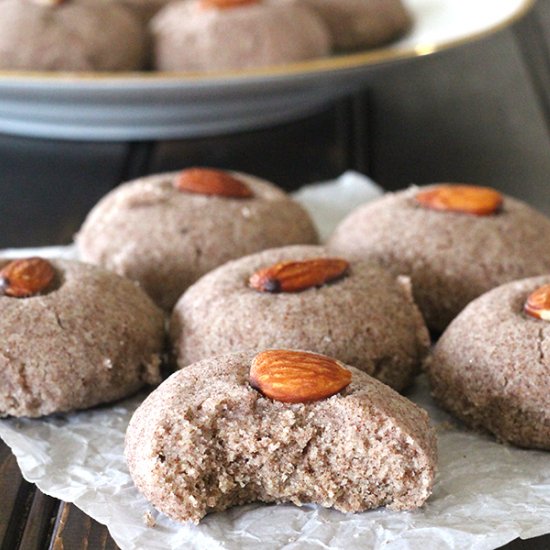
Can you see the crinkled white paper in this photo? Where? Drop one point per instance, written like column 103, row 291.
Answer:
column 486, row 493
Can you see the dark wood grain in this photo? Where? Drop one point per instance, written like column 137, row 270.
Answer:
column 39, row 522
column 11, row 486
column 74, row 529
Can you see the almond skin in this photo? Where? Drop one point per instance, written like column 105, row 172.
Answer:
column 295, row 276
column 538, row 303
column 206, row 181
column 224, row 4
column 49, row 2
column 297, row 376
column 466, row 199
column 26, row 277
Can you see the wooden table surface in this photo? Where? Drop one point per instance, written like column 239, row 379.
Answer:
column 480, row 113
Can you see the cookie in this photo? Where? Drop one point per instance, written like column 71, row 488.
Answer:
column 143, row 9
column 356, row 24
column 455, row 250
column 166, row 231
column 73, row 336
column 206, row 440
column 491, row 367
column 366, row 317
column 218, row 35
column 70, row 35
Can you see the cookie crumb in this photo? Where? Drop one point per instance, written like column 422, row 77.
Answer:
column 149, row 520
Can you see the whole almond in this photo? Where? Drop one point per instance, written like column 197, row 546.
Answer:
column 206, row 181
column 538, row 303
column 223, row 4
column 295, row 276
column 466, row 199
column 297, row 376
column 26, row 277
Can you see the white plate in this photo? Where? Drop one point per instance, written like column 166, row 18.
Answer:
column 140, row 106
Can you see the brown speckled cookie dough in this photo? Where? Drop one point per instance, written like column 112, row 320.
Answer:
column 491, row 367
column 166, row 239
column 190, row 36
column 144, row 9
column 93, row 338
column 74, row 35
column 367, row 318
column 205, row 440
column 355, row 24
column 451, row 258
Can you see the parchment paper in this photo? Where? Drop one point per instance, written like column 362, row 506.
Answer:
column 486, row 493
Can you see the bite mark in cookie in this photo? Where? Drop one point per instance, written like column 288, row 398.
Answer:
column 205, row 440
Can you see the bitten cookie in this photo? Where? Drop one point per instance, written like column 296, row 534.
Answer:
column 454, row 241
column 73, row 336
column 167, row 230
column 491, row 367
column 216, row 35
column 355, row 24
column 70, row 35
column 219, row 434
column 356, row 312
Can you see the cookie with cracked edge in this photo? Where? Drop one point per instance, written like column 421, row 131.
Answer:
column 206, row 440
column 91, row 337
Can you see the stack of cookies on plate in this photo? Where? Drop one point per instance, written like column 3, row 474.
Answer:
column 189, row 35
column 289, row 356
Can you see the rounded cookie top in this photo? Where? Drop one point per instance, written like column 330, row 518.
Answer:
column 366, row 317
column 355, row 24
column 165, row 238
column 196, row 35
column 206, row 440
column 70, row 35
column 91, row 337
column 491, row 367
column 143, row 9
column 451, row 257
